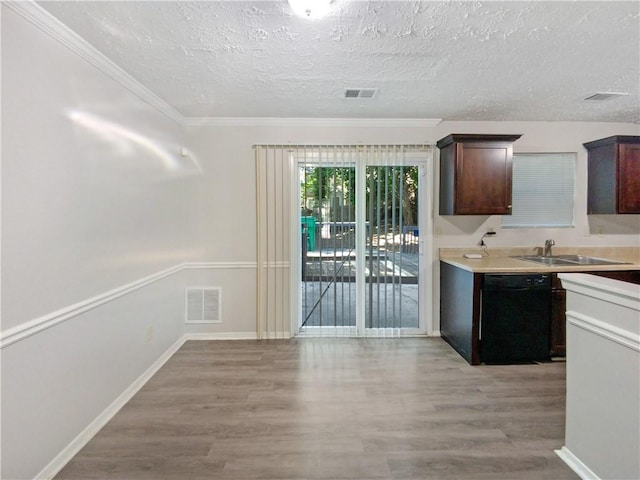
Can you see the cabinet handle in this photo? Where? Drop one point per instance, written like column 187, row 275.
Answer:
column 508, row 206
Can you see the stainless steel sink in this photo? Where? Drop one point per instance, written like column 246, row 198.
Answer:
column 582, row 260
column 544, row 260
column 567, row 260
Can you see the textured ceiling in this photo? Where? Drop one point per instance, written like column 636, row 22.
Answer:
column 451, row 60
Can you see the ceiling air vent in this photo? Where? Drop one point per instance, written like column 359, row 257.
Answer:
column 360, row 92
column 604, row 96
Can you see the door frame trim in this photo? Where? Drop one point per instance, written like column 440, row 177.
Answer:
column 426, row 240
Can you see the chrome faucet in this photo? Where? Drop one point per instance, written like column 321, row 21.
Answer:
column 547, row 247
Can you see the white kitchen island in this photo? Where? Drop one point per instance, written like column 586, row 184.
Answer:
column 602, row 436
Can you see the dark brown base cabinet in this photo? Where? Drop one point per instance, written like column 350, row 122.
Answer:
column 460, row 310
column 559, row 306
column 629, row 276
column 461, row 306
column 558, row 332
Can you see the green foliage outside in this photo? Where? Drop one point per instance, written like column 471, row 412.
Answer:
column 394, row 190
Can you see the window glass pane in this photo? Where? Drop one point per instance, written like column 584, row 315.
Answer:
column 542, row 191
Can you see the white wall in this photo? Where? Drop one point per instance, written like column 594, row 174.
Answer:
column 602, row 433
column 227, row 158
column 228, row 179
column 95, row 197
column 546, row 137
column 90, row 172
column 62, row 384
column 99, row 210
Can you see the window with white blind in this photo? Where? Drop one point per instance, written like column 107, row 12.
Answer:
column 543, row 185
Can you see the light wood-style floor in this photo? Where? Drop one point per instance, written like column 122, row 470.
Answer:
column 334, row 409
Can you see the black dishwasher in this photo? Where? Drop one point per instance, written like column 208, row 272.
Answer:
column 515, row 318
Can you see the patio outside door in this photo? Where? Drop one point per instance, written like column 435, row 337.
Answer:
column 392, row 249
column 360, row 247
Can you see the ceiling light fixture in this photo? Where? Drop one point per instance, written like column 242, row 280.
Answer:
column 310, row 8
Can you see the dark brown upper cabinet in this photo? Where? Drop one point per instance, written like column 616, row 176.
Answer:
column 475, row 174
column 614, row 175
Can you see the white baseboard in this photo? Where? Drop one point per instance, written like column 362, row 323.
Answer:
column 101, row 420
column 49, row 471
column 575, row 464
column 221, row 336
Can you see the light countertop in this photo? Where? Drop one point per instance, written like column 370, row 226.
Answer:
column 499, row 259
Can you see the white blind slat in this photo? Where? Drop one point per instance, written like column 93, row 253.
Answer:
column 543, row 187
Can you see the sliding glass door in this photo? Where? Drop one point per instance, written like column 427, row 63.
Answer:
column 328, row 248
column 360, row 246
column 392, row 248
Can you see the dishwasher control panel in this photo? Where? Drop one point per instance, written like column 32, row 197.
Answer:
column 517, row 280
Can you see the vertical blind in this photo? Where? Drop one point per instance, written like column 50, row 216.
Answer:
column 274, row 168
column 543, row 191
column 315, row 185
column 327, row 177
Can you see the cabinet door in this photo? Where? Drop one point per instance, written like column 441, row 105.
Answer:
column 558, row 322
column 628, row 178
column 483, row 185
column 460, row 310
column 601, row 181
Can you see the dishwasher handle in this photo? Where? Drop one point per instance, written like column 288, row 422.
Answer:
column 512, row 289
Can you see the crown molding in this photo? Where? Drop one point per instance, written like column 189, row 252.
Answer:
column 310, row 122
column 49, row 24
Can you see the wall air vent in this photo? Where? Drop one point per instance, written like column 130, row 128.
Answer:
column 203, row 305
column 605, row 96
column 360, row 92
